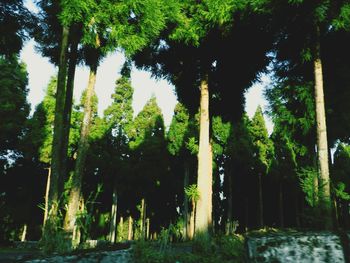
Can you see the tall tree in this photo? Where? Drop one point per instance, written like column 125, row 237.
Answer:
column 14, row 107
column 263, row 153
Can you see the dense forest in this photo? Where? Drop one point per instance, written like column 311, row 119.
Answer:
column 67, row 173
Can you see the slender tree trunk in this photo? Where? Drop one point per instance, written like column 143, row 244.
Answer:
column 261, row 206
column 113, row 225
column 192, row 223
column 147, row 228
column 186, row 183
column 130, row 228
column 246, row 213
column 46, row 212
column 297, row 217
column 203, row 218
column 322, row 144
column 24, row 233
column 121, row 229
column 75, row 191
column 229, row 206
column 73, row 55
column 56, row 162
column 143, row 218
column 280, row 204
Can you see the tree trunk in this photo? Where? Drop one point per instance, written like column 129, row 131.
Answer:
column 130, row 228
column 322, row 144
column 121, row 229
column 192, row 223
column 147, row 228
column 143, row 218
column 73, row 55
column 280, row 204
column 246, row 213
column 113, row 225
column 75, row 191
column 261, row 206
column 56, row 157
column 186, row 183
column 203, row 218
column 24, row 233
column 46, row 211
column 229, row 227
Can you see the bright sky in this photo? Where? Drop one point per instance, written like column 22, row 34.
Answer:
column 40, row 71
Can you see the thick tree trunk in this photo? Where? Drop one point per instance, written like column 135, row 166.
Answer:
column 186, row 217
column 56, row 174
column 75, row 191
column 203, row 218
column 73, row 55
column 113, row 224
column 260, row 204
column 280, row 204
column 46, row 212
column 322, row 144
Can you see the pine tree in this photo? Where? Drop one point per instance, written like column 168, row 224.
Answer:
column 263, row 153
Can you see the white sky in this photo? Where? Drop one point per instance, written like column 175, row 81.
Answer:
column 40, row 71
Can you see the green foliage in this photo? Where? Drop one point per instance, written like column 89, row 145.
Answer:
column 15, row 24
column 263, row 146
column 307, row 177
column 54, row 238
column 192, row 192
column 218, row 249
column 178, row 129
column 14, row 107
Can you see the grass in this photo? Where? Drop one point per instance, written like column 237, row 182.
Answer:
column 210, row 250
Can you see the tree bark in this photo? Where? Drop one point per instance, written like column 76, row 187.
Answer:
column 322, row 144
column 75, row 191
column 46, row 211
column 280, row 204
column 113, row 225
column 121, row 229
column 261, row 205
column 203, row 218
column 73, row 55
column 147, row 228
column 192, row 223
column 56, row 157
column 130, row 228
column 229, row 227
column 186, row 218
column 143, row 218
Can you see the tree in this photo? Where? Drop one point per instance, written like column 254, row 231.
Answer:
column 118, row 119
column 14, row 107
column 16, row 22
column 263, row 153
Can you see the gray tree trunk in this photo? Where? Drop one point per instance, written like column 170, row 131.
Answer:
column 73, row 55
column 260, row 204
column 75, row 191
column 56, row 156
column 322, row 144
column 203, row 217
column 114, row 210
column 186, row 217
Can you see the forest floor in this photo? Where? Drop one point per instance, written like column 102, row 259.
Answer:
column 119, row 253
